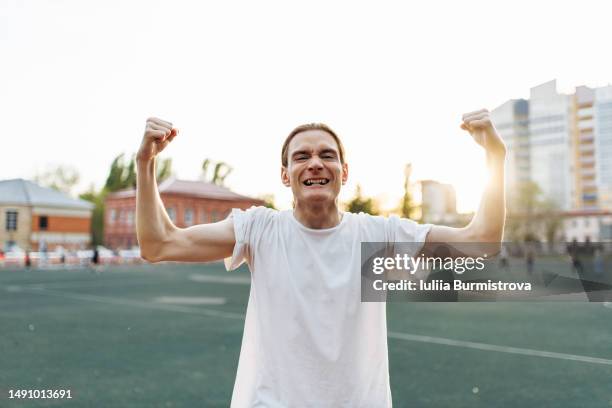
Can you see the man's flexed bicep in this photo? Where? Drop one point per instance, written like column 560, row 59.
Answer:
column 199, row 243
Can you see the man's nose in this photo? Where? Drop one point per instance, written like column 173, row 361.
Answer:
column 315, row 163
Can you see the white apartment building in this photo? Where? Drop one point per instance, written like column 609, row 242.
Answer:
column 550, row 143
column 602, row 121
column 512, row 122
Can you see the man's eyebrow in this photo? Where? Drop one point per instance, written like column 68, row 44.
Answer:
column 307, row 152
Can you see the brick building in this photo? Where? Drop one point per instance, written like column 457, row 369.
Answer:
column 34, row 217
column 187, row 203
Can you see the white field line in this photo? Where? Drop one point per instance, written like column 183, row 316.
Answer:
column 231, row 280
column 184, row 300
column 134, row 303
column 499, row 349
column 392, row 335
column 87, row 284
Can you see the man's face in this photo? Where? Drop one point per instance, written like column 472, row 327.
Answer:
column 314, row 171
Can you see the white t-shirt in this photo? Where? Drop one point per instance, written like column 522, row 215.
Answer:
column 308, row 339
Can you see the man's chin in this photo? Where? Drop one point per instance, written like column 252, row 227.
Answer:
column 317, row 197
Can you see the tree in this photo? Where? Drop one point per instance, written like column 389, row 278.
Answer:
column 361, row 204
column 97, row 216
column 164, row 170
column 268, row 200
column 407, row 205
column 60, row 178
column 220, row 172
column 122, row 175
column 552, row 221
column 530, row 214
column 522, row 205
column 116, row 180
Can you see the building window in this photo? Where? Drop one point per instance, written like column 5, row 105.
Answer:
column 171, row 213
column 203, row 216
column 43, row 222
column 214, row 216
column 11, row 220
column 130, row 217
column 189, row 216
column 112, row 216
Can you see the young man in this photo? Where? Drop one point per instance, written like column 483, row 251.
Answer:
column 308, row 339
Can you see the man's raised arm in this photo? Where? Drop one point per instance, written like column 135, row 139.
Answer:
column 158, row 237
column 487, row 227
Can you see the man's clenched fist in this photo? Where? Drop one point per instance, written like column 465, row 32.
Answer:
column 479, row 125
column 158, row 133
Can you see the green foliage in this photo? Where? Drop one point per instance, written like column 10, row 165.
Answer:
column 219, row 173
column 361, row 204
column 60, row 178
column 164, row 170
column 122, row 175
column 268, row 201
column 531, row 215
column 97, row 216
column 407, row 205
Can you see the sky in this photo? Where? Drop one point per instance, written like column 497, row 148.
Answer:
column 79, row 78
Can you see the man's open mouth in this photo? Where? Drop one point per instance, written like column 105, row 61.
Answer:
column 320, row 181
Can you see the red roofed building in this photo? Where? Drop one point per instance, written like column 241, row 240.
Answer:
column 187, row 203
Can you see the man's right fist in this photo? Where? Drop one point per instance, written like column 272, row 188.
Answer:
column 158, row 133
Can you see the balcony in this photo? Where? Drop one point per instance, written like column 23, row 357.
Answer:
column 586, row 149
column 585, row 124
column 589, row 185
column 585, row 113
column 588, row 172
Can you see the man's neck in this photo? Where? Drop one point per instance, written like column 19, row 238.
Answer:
column 317, row 216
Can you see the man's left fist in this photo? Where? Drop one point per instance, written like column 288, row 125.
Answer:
column 479, row 124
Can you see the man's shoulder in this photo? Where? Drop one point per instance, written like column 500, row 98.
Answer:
column 365, row 218
column 257, row 215
column 261, row 210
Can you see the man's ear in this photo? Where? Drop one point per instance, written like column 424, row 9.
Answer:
column 285, row 177
column 344, row 173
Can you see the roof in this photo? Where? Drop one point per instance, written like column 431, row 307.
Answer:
column 27, row 193
column 190, row 188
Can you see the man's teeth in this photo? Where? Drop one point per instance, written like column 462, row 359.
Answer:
column 316, row 181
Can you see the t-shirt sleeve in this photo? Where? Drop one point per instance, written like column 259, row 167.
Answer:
column 407, row 231
column 248, row 227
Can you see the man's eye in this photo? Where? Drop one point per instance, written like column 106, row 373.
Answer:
column 301, row 157
column 328, row 156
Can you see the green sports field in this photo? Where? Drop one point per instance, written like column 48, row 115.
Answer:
column 169, row 336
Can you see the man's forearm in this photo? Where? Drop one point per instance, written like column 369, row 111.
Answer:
column 488, row 222
column 152, row 223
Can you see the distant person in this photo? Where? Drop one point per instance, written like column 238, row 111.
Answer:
column 530, row 261
column 95, row 260
column 573, row 251
column 28, row 259
column 42, row 254
column 504, row 262
column 308, row 339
